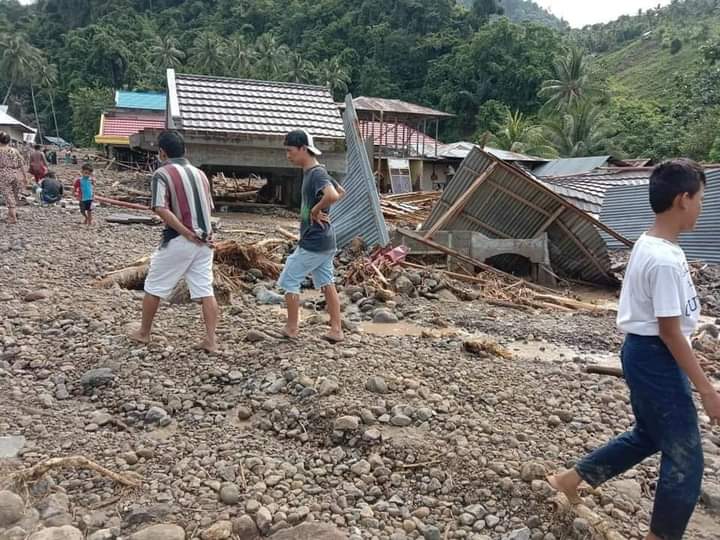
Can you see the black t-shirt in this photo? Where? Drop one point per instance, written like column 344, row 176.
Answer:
column 317, row 237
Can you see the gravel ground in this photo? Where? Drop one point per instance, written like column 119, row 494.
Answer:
column 382, row 437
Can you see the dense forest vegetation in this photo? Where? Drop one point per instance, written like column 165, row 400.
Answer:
column 642, row 86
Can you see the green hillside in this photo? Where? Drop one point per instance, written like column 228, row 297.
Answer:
column 645, row 68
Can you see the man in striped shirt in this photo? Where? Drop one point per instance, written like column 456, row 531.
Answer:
column 181, row 197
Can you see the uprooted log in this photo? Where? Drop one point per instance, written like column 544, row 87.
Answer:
column 245, row 257
column 232, row 260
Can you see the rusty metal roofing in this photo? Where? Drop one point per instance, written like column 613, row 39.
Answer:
column 359, row 212
column 510, row 203
column 220, row 104
column 397, row 135
column 627, row 210
column 587, row 191
column 397, row 107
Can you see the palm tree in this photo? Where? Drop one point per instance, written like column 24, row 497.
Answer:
column 333, row 75
column 17, row 60
column 573, row 82
column 166, row 53
column 242, row 56
column 270, row 56
column 47, row 78
column 297, row 69
column 208, row 53
column 518, row 134
column 579, row 131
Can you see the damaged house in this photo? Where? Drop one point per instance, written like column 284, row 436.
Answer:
column 237, row 127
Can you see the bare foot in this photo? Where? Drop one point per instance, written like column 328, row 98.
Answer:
column 138, row 337
column 208, row 346
column 334, row 336
column 566, row 483
column 290, row 333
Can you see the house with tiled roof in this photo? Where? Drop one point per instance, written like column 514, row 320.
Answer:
column 238, row 126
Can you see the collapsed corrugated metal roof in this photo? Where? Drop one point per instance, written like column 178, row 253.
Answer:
column 396, row 106
column 503, row 201
column 359, row 212
column 568, row 166
column 587, row 190
column 221, row 104
column 627, row 210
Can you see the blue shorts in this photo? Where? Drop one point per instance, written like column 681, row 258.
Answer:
column 303, row 262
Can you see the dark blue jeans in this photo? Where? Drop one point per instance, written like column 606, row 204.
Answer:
column 665, row 421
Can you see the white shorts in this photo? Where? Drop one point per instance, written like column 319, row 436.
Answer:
column 181, row 258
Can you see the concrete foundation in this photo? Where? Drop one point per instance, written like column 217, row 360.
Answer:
column 480, row 247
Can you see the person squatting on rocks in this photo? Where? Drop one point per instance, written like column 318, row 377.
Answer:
column 84, row 188
column 181, row 197
column 11, row 163
column 658, row 312
column 316, row 249
column 50, row 190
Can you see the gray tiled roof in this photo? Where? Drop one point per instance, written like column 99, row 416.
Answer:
column 243, row 106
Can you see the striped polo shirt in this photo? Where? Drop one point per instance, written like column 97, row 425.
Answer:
column 185, row 191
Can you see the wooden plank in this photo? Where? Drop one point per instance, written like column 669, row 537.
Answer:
column 460, row 203
column 549, row 221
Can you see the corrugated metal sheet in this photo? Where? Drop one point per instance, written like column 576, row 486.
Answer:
column 627, row 210
column 359, row 212
column 270, row 108
column 587, row 191
column 150, row 101
column 395, row 106
column 568, row 166
column 512, row 204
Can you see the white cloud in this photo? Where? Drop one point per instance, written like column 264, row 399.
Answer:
column 581, row 12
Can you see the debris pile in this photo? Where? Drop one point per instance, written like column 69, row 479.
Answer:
column 409, row 208
column 235, row 264
column 387, row 273
column 236, row 189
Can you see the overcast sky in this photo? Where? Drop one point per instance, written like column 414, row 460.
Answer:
column 581, row 12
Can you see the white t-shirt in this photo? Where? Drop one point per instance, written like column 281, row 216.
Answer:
column 657, row 284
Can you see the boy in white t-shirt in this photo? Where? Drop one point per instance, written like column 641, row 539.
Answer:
column 658, row 312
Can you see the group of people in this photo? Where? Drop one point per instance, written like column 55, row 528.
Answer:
column 659, row 308
column 47, row 186
column 181, row 198
column 658, row 312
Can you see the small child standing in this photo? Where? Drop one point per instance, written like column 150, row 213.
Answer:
column 659, row 309
column 84, row 192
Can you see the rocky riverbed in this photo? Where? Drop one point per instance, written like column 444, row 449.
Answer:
column 394, row 434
